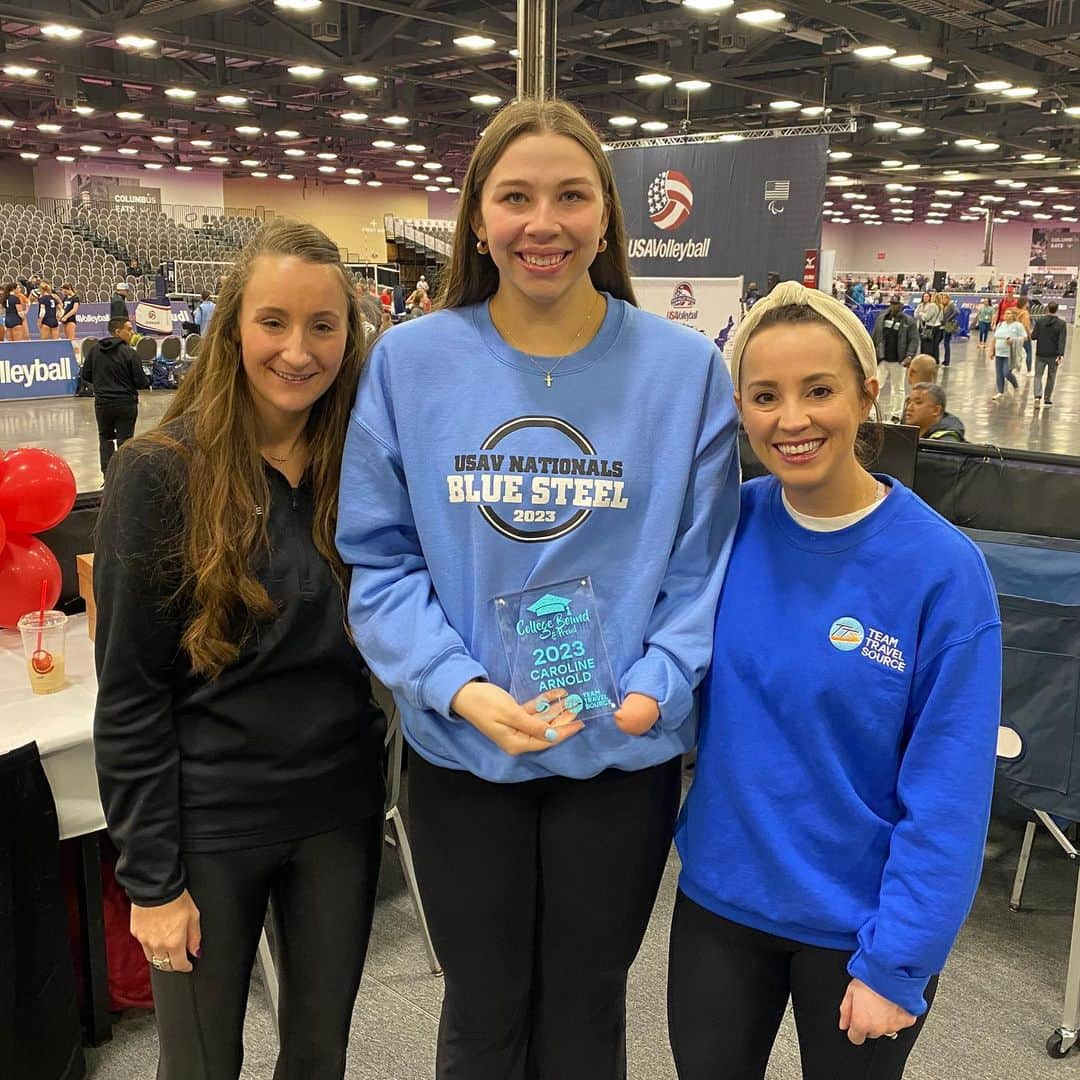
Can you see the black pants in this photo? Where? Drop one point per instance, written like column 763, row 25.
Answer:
column 728, row 987
column 40, row 1036
column 538, row 895
column 322, row 890
column 115, row 424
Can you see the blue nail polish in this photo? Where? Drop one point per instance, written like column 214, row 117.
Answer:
column 551, row 734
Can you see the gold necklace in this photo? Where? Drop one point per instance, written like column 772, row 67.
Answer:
column 282, row 460
column 549, row 373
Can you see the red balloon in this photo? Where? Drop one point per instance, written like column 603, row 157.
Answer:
column 24, row 561
column 37, row 490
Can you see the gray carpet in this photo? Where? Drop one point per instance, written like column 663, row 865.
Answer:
column 1000, row 997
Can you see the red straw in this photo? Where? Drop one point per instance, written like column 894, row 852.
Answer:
column 41, row 616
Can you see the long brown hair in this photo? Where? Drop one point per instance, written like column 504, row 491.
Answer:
column 224, row 527
column 471, row 277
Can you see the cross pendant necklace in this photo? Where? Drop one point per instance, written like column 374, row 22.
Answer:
column 549, row 373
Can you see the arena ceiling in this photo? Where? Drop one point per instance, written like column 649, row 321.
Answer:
column 963, row 95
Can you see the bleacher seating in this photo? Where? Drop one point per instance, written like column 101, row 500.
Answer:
column 428, row 236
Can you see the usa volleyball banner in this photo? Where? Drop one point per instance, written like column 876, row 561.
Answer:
column 723, row 209
column 707, row 305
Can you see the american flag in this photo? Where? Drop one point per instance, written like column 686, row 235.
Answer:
column 777, row 189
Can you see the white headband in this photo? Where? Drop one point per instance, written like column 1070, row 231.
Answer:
column 834, row 312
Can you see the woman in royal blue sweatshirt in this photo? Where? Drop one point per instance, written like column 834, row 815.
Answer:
column 539, row 434
column 832, row 839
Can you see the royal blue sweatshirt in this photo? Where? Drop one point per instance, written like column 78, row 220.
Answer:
column 848, row 739
column 466, row 478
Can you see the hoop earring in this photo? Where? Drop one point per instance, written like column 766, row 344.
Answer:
column 481, row 246
column 602, row 246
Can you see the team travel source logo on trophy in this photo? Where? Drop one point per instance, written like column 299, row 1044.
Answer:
column 670, row 199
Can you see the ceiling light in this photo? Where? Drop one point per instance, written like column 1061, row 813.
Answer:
column 785, row 105
column 1018, row 185
column 180, row 93
column 219, row 160
column 153, row 165
column 295, row 151
column 692, row 86
column 61, row 32
column 732, row 136
column 83, row 110
column 1003, row 183
column 839, row 155
column 912, row 60
column 1069, row 219
column 89, row 148
column 163, row 140
column 352, row 181
column 432, row 187
column 395, row 120
column 891, row 163
column 654, row 125
column 361, row 80
column 968, row 217
column 992, row 198
column 623, row 121
column 384, row 144
column 326, row 155
column 203, row 144
column 474, row 41
column 306, row 71
column 708, row 7
column 1052, row 190
column 250, row 163
column 353, row 171
column 354, row 117
column 856, row 195
column 29, row 155
column 260, row 175
column 1042, row 217
column 457, row 190
column 20, row 71
column 761, row 16
column 128, row 114
column 875, row 52
column 942, row 205
column 986, row 147
column 50, row 129
column 422, row 177
column 933, row 221
column 1072, row 110
column 1020, row 92
column 908, row 187
column 486, row 99
column 1010, row 213
column 297, row 5
column 815, row 110
column 948, row 193
column 450, row 180
column 1029, row 202
column 405, row 163
column 1035, row 155
column 652, row 78
column 236, row 101
column 287, row 133
column 374, row 183
column 127, row 151
column 433, row 166
column 965, row 142
column 886, row 125
column 1067, row 207
column 911, row 129
column 413, row 148
column 136, row 42
column 327, row 169
column 991, row 86
column 286, row 176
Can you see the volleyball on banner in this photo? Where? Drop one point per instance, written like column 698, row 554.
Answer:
column 709, row 305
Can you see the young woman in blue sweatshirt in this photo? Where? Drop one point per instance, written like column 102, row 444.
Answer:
column 539, row 428
column 832, row 839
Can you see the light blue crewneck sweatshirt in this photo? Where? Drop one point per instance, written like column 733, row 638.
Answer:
column 465, row 478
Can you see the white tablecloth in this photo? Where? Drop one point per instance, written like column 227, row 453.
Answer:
column 61, row 724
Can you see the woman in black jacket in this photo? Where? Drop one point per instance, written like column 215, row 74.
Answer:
column 238, row 753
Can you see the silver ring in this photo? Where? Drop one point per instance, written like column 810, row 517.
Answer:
column 162, row 963
column 891, row 1034
column 551, row 734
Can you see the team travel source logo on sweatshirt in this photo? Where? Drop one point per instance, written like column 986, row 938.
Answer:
column 537, row 478
column 847, row 634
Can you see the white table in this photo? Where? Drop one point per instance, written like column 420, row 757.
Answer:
column 62, row 725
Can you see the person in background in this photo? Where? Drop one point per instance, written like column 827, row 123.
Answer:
column 950, row 324
column 48, row 306
column 858, row 293
column 204, row 313
column 1023, row 317
column 118, row 302
column 386, row 298
column 398, row 308
column 1009, row 337
column 927, row 409
column 928, row 320
column 985, row 319
column 753, row 294
column 69, row 310
column 1049, row 333
column 922, row 368
column 116, row 373
column 897, row 341
column 832, row 839
column 238, row 753
column 1007, row 301
column 15, row 303
column 419, row 298
column 161, row 285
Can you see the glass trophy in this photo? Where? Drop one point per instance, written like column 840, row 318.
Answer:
column 553, row 641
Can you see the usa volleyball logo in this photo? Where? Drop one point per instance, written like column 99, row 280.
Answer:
column 671, row 199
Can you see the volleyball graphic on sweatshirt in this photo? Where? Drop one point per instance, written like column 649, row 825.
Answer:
column 671, row 199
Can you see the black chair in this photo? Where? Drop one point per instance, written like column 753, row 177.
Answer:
column 192, row 345
column 147, row 348
column 171, row 349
